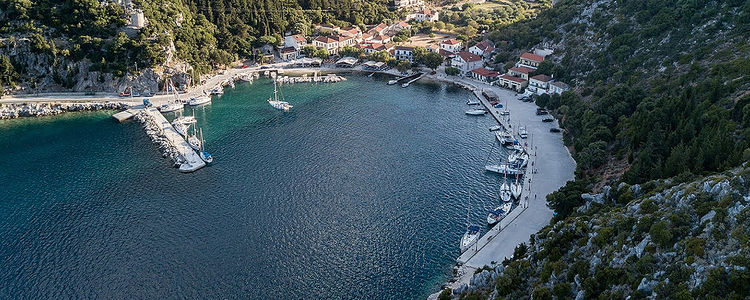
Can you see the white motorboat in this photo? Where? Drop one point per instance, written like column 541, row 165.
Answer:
column 503, row 169
column 499, row 213
column 472, row 102
column 245, row 78
column 522, row 132
column 469, row 238
column 496, row 128
column 406, row 84
column 170, row 107
column 504, row 137
column 276, row 103
column 181, row 128
column 516, row 156
column 476, row 112
column 505, row 192
column 393, row 81
column 200, row 100
column 217, row 91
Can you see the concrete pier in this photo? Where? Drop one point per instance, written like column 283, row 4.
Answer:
column 191, row 160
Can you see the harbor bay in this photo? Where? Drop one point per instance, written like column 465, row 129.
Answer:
column 361, row 191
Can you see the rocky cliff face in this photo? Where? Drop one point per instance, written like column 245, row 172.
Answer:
column 44, row 72
column 656, row 240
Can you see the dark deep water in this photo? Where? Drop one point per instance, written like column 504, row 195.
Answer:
column 359, row 192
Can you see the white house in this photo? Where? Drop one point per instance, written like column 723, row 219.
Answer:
column 530, row 60
column 296, row 41
column 522, row 72
column 465, row 62
column 344, row 41
column 288, row 53
column 404, row 53
column 511, row 82
column 483, row 49
column 539, row 84
column 401, row 25
column 557, row 87
column 451, row 45
column 328, row 43
column 485, row 75
column 423, row 15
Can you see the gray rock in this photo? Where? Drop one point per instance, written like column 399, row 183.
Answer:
column 636, row 189
column 706, row 187
column 642, row 245
column 646, row 286
column 580, row 295
column 708, row 217
column 460, row 289
column 577, row 280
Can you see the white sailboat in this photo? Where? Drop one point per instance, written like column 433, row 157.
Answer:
column 472, row 102
column 275, row 102
column 499, row 213
column 205, row 156
column 194, row 141
column 172, row 105
column 504, row 137
column 505, row 192
column 515, row 189
column 469, row 238
column 503, row 169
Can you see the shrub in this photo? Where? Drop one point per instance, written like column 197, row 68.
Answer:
column 452, row 71
column 660, row 234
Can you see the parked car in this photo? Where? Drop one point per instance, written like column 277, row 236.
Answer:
column 548, row 119
column 504, row 112
column 541, row 111
column 554, row 129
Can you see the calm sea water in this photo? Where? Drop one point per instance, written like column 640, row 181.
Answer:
column 361, row 191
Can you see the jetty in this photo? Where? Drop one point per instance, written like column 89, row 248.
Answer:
column 406, row 78
column 191, row 161
column 125, row 115
column 412, row 80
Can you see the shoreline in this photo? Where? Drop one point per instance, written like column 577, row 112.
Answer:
column 554, row 170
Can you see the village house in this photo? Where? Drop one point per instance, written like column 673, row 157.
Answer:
column 451, row 45
column 401, row 25
column 465, row 62
column 423, row 15
column 353, row 32
column 375, row 47
column 296, row 41
column 344, row 41
column 522, row 72
column 432, row 48
column 485, row 75
column 511, row 82
column 378, row 29
column 380, row 39
column 404, row 53
column 539, row 84
column 288, row 53
column 557, row 87
column 328, row 43
column 483, row 49
column 530, row 60
column 399, row 4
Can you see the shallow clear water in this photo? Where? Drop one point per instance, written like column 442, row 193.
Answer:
column 361, row 191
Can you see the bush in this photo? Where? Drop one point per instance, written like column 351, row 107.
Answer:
column 660, row 234
column 452, row 71
column 446, row 294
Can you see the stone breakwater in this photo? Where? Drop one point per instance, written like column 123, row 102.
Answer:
column 157, row 136
column 12, row 111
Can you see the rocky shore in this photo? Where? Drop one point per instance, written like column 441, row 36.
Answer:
column 12, row 111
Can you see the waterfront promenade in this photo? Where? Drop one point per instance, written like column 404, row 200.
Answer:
column 550, row 168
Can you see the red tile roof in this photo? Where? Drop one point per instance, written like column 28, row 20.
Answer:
column 325, row 39
column 532, row 57
column 298, row 38
column 484, row 72
column 511, row 78
column 451, row 42
column 542, row 78
column 468, row 56
column 288, row 50
column 523, row 70
column 485, row 46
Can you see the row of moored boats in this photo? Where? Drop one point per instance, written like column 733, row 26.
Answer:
column 512, row 169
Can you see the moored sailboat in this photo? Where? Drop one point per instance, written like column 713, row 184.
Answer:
column 275, row 102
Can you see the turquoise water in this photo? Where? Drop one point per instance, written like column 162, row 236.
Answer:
column 361, row 191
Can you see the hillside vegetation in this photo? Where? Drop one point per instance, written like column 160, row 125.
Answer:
column 661, row 85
